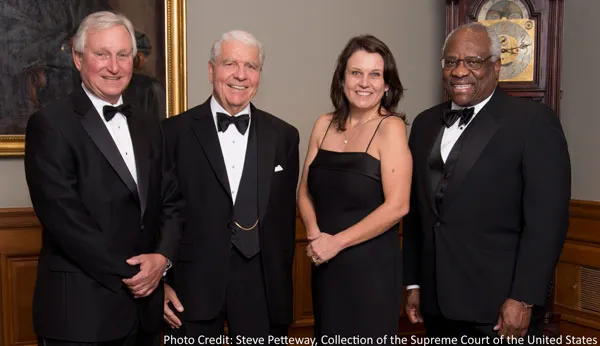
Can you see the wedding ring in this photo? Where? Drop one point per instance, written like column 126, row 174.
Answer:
column 314, row 259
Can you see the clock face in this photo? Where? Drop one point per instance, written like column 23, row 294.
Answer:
column 498, row 9
column 517, row 47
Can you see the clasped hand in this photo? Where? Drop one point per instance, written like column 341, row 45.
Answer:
column 152, row 267
column 323, row 248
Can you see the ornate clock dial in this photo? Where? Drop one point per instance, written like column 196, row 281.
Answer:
column 517, row 48
column 498, row 9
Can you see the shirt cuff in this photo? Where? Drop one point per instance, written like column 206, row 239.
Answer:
column 412, row 287
column 169, row 265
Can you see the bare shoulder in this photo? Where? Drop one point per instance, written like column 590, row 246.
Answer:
column 323, row 120
column 392, row 127
column 322, row 124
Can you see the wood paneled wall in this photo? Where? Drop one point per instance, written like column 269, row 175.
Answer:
column 303, row 312
column 20, row 243
column 577, row 289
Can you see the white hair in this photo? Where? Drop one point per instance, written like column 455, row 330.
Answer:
column 100, row 21
column 495, row 48
column 240, row 36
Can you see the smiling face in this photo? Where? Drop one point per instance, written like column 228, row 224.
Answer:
column 235, row 75
column 106, row 63
column 469, row 87
column 363, row 80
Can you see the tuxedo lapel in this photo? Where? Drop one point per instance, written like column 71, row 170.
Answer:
column 266, row 142
column 206, row 133
column 432, row 136
column 433, row 177
column 139, row 140
column 478, row 134
column 99, row 134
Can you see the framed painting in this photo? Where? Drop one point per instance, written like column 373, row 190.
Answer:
column 36, row 66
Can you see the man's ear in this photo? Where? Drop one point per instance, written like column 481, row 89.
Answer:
column 77, row 57
column 497, row 66
column 211, row 69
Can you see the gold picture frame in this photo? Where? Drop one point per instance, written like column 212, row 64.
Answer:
column 175, row 70
column 176, row 56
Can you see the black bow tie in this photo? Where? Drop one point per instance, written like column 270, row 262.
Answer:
column 452, row 115
column 241, row 122
column 110, row 111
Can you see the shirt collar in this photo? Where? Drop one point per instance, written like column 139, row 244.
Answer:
column 99, row 103
column 216, row 107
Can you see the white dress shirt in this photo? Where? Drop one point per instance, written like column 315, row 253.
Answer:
column 451, row 135
column 233, row 147
column 118, row 129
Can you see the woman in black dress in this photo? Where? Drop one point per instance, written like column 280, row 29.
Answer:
column 354, row 190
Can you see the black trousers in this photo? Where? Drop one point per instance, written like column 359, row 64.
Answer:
column 136, row 338
column 245, row 308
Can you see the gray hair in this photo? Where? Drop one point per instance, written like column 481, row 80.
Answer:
column 495, row 48
column 100, row 21
column 240, row 36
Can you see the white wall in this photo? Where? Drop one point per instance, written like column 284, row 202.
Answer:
column 302, row 40
column 579, row 106
column 13, row 189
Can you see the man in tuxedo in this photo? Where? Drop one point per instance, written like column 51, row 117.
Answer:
column 238, row 170
column 107, row 200
column 490, row 198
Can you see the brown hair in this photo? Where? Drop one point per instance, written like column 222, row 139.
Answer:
column 389, row 101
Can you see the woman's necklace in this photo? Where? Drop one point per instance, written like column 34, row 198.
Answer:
column 355, row 126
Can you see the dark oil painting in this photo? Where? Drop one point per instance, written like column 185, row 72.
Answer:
column 36, row 66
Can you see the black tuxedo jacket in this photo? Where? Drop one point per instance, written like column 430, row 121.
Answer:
column 200, row 274
column 94, row 217
column 504, row 216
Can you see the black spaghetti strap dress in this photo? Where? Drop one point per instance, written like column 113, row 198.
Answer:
column 359, row 291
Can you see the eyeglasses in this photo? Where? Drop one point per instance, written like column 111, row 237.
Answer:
column 470, row 62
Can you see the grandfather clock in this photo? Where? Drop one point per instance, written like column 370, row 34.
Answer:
column 530, row 33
